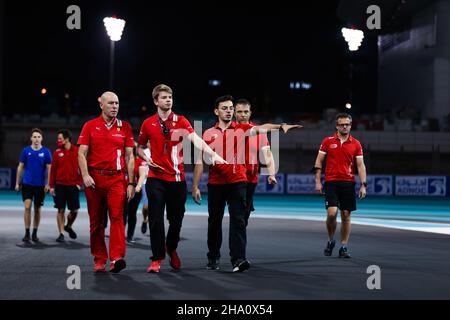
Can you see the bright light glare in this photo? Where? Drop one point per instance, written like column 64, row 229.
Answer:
column 354, row 38
column 114, row 28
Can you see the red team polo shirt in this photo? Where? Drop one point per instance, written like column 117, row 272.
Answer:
column 340, row 160
column 64, row 170
column 106, row 146
column 229, row 144
column 253, row 146
column 166, row 150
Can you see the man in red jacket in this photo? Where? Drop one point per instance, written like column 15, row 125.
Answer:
column 65, row 183
column 105, row 154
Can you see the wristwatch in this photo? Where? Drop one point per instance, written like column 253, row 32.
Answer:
column 364, row 184
column 132, row 184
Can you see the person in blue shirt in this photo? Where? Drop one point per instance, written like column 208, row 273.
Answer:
column 33, row 178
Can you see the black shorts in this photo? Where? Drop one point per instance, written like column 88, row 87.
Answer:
column 33, row 193
column 69, row 195
column 340, row 194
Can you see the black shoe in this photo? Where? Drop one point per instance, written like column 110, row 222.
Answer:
column 241, row 266
column 117, row 265
column 60, row 238
column 34, row 238
column 26, row 238
column 130, row 240
column 70, row 231
column 343, row 253
column 329, row 249
column 144, row 228
column 213, row 264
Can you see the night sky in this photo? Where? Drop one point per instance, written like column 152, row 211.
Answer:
column 256, row 51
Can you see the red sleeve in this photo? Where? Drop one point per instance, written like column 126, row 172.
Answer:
column 85, row 135
column 143, row 134
column 324, row 145
column 184, row 123
column 263, row 141
column 207, row 136
column 53, row 168
column 129, row 142
column 359, row 151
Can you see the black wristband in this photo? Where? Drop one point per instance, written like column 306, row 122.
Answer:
column 132, row 184
column 364, row 184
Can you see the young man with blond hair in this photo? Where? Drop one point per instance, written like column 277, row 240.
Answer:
column 166, row 185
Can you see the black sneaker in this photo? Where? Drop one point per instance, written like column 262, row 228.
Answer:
column 213, row 264
column 144, row 228
column 343, row 253
column 329, row 249
column 34, row 238
column 26, row 238
column 60, row 238
column 131, row 240
column 241, row 266
column 70, row 231
column 117, row 265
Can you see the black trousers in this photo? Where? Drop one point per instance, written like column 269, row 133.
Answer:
column 234, row 195
column 251, row 187
column 130, row 213
column 165, row 195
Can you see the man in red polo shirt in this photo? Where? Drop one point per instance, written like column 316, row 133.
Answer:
column 166, row 185
column 105, row 154
column 342, row 152
column 227, row 183
column 65, row 183
column 255, row 145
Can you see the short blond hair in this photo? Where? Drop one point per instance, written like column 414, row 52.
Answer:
column 160, row 88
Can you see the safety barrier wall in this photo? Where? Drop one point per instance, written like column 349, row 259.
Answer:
column 377, row 185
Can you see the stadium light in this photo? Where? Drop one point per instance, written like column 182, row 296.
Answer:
column 354, row 38
column 114, row 29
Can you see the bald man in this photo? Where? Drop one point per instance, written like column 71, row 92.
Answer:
column 105, row 155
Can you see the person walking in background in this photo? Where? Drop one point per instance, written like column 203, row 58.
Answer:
column 342, row 152
column 65, row 183
column 131, row 207
column 255, row 145
column 33, row 178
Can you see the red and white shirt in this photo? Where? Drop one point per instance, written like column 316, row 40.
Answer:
column 166, row 145
column 106, row 143
column 64, row 170
column 230, row 145
column 340, row 157
column 254, row 145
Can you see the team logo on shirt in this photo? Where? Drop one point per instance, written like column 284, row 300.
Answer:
column 118, row 129
column 333, row 146
column 41, row 155
column 61, row 154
